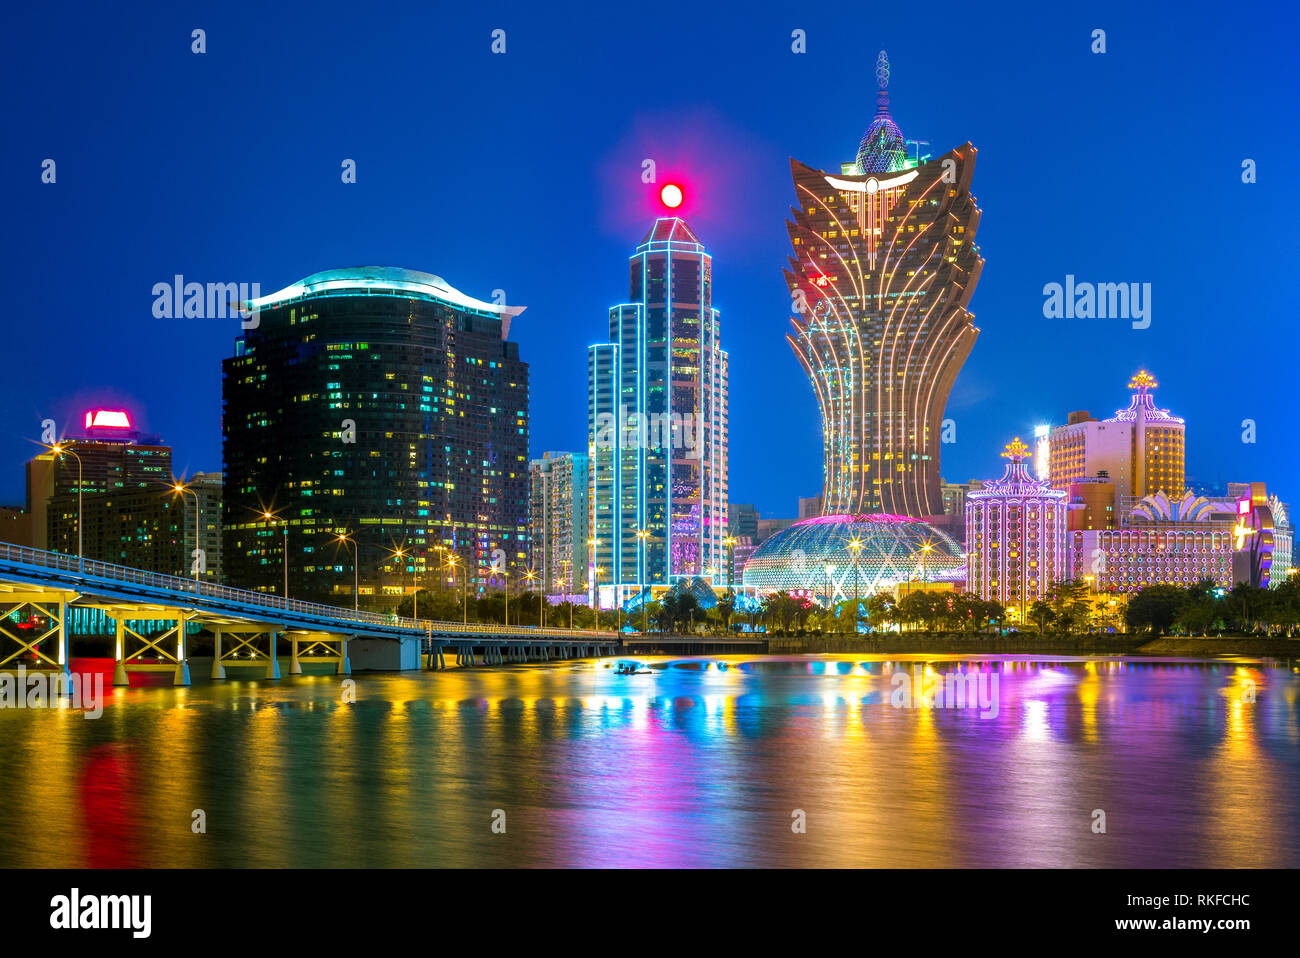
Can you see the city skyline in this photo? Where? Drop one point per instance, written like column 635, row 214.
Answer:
column 735, row 174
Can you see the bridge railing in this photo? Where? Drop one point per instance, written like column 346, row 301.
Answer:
column 109, row 572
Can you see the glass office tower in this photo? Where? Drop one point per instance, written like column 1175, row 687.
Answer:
column 657, row 421
column 383, row 404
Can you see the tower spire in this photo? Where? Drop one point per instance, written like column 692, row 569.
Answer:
column 882, row 81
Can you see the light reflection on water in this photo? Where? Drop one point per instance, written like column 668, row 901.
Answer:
column 700, row 763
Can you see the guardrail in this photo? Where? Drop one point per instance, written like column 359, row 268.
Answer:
column 126, row 575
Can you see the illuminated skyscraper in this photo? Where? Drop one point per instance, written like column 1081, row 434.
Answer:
column 657, row 421
column 884, row 266
column 388, row 405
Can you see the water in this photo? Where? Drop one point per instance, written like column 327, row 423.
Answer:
column 703, row 762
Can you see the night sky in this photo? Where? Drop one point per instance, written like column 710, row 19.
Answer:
column 522, row 171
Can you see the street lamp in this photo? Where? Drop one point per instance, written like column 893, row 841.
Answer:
column 730, row 543
column 530, row 575
column 855, row 545
column 505, row 576
column 440, row 550
column 643, row 535
column 180, row 489
column 270, row 518
column 356, row 561
column 453, row 561
column 400, row 553
column 59, row 449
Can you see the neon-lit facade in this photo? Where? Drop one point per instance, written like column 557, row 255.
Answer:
column 815, row 558
column 657, row 421
column 1015, row 535
column 884, row 265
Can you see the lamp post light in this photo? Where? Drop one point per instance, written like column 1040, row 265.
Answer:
column 346, row 537
column 530, row 575
column 399, row 554
column 59, row 449
column 182, row 490
column 730, row 543
column 644, row 536
column 271, row 518
column 855, row 546
column 454, row 561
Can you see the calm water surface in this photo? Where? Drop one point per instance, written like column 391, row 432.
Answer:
column 700, row 763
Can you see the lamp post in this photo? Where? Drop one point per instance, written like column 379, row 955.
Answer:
column 730, row 543
column 505, row 576
column 400, row 554
column 454, row 561
column 356, row 575
column 270, row 518
column 530, row 575
column 59, row 449
column 182, row 490
column 440, row 550
column 644, row 536
column 856, row 547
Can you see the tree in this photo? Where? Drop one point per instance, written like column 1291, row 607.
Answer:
column 1041, row 614
column 1155, row 607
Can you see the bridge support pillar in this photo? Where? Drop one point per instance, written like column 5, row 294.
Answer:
column 182, row 674
column 218, row 670
column 345, row 667
column 65, row 645
column 119, row 667
column 295, row 667
column 273, row 663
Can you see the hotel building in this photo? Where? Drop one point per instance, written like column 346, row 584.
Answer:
column 1138, row 452
column 657, row 422
column 882, row 270
column 1015, row 536
column 386, row 406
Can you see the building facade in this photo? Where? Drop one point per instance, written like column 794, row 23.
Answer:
column 1138, row 452
column 1015, row 536
column 386, row 407
column 882, row 270
column 558, row 497
column 657, row 422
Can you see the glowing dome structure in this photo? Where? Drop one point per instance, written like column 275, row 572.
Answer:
column 882, row 149
column 816, row 557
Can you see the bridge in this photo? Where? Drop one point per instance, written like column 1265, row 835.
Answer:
column 246, row 625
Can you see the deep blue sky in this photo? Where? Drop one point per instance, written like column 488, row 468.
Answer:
column 522, row 172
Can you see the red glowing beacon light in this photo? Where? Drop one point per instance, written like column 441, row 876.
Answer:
column 671, row 196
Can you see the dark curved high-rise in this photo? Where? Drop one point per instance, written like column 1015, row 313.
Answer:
column 884, row 264
column 386, row 404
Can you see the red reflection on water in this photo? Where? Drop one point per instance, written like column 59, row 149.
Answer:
column 107, row 785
